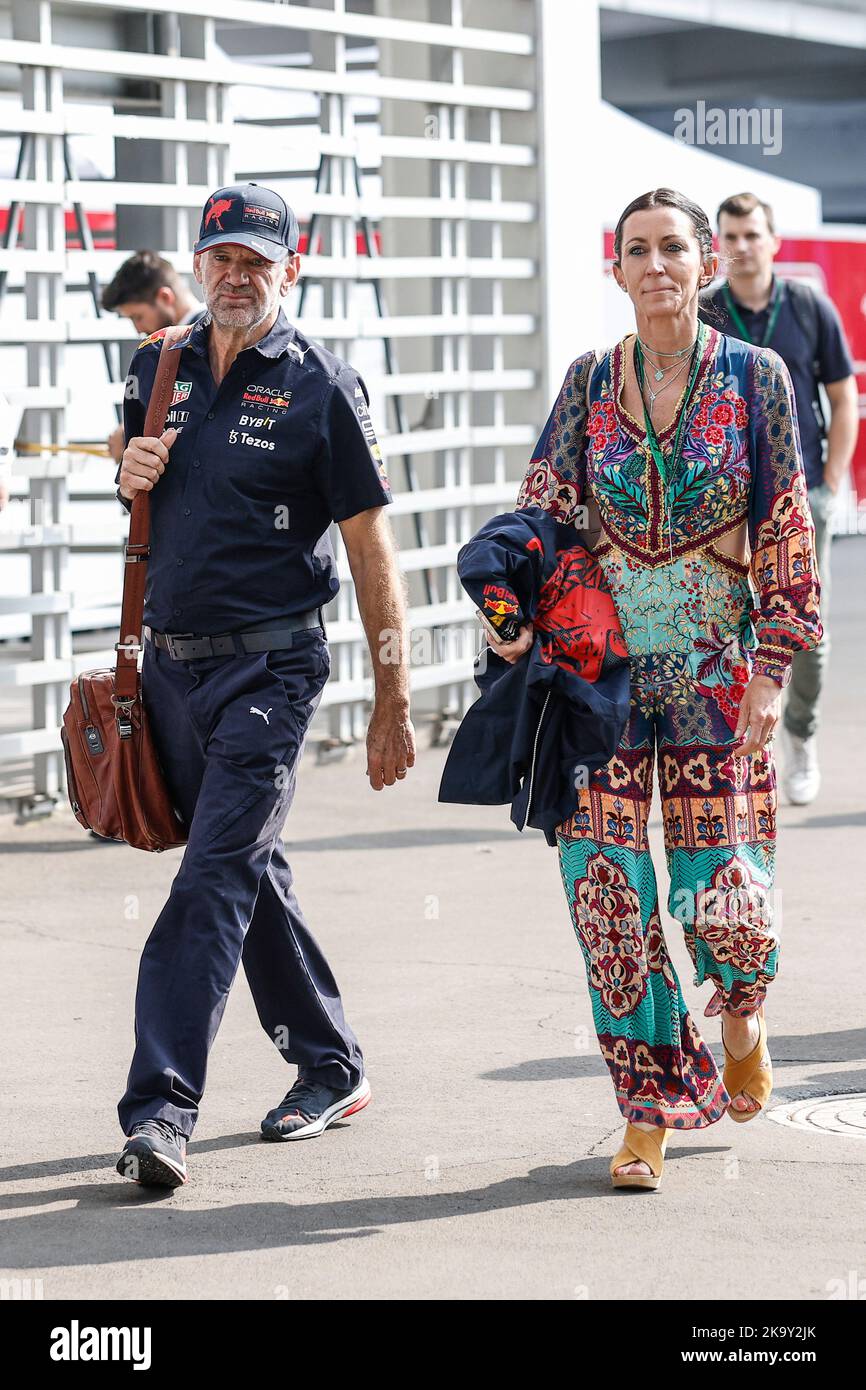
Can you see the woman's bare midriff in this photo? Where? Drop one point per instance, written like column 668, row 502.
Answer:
column 734, row 545
column 591, row 533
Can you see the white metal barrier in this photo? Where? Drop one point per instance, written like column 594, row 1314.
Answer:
column 455, row 204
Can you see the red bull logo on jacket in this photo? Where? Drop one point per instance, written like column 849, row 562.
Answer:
column 499, row 600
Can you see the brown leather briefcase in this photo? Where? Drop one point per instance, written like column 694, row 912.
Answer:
column 114, row 780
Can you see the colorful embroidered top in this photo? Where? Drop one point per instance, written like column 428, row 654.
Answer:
column 740, row 462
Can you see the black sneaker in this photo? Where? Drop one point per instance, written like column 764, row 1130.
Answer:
column 309, row 1107
column 154, row 1155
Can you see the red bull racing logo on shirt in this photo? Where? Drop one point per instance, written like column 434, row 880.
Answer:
column 258, row 398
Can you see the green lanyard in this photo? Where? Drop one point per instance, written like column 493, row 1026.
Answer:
column 736, row 317
column 651, row 436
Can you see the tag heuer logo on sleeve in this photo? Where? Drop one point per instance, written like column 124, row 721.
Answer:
column 182, row 391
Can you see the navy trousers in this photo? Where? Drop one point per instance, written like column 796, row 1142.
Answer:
column 229, row 732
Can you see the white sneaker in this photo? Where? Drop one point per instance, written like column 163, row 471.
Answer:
column 801, row 776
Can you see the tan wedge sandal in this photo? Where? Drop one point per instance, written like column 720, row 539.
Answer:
column 747, row 1074
column 640, row 1146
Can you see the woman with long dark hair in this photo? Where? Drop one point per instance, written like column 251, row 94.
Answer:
column 680, row 447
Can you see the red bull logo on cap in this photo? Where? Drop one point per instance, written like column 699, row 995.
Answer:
column 215, row 211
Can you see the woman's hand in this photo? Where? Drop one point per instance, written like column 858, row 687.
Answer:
column 512, row 651
column 760, row 709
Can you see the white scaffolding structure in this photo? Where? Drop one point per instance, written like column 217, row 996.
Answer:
column 432, row 103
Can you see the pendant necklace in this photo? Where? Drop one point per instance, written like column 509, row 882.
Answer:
column 654, row 395
column 650, row 353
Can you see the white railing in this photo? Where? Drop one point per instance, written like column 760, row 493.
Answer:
column 463, row 318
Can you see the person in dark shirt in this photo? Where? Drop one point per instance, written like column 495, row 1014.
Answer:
column 148, row 291
column 268, row 440
column 760, row 307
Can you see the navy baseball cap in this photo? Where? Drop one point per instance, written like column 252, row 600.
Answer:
column 246, row 214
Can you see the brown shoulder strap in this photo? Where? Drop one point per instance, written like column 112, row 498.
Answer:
column 598, row 353
column 138, row 545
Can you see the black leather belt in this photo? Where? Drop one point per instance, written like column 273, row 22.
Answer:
column 188, row 646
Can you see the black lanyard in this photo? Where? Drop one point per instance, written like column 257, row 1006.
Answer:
column 775, row 306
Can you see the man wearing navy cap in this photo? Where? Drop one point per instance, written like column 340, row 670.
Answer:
column 268, row 440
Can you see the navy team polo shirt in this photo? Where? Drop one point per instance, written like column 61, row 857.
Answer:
column 263, row 463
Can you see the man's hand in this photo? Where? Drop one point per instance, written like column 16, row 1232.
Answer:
column 381, row 595
column 115, row 443
column 512, row 651
column 144, row 463
column 842, row 433
column 760, row 709
column 390, row 744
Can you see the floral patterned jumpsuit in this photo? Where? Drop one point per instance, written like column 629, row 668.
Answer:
column 697, row 623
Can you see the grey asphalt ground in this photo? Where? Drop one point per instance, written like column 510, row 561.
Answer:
column 480, row 1170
